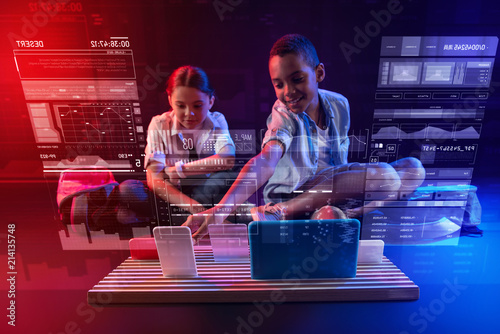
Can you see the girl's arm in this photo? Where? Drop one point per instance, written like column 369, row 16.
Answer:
column 223, row 160
column 161, row 185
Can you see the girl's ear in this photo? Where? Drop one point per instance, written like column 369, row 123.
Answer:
column 212, row 100
column 170, row 101
column 320, row 72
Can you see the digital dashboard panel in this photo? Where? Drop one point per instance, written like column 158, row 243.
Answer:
column 84, row 108
column 430, row 103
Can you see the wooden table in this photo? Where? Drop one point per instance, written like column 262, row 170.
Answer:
column 142, row 282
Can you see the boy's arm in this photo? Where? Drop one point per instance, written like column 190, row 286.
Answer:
column 261, row 166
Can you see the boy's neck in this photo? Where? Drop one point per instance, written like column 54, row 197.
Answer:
column 314, row 111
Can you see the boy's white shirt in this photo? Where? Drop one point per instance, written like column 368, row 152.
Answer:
column 298, row 135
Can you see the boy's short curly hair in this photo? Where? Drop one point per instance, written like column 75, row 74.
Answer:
column 296, row 44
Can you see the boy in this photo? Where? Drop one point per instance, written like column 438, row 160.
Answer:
column 304, row 151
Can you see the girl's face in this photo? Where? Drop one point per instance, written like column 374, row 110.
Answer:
column 190, row 106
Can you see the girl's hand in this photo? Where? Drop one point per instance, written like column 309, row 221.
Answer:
column 172, row 175
column 198, row 223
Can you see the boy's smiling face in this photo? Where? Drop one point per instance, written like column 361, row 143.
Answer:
column 295, row 82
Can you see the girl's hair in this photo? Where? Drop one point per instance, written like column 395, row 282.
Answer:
column 190, row 76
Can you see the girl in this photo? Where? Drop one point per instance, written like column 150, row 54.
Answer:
column 187, row 144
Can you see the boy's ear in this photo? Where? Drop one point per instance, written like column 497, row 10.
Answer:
column 169, row 101
column 320, row 72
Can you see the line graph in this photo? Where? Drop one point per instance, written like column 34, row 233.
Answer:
column 127, row 117
column 426, row 131
column 357, row 144
column 96, row 124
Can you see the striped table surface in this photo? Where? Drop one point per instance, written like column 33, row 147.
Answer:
column 142, row 282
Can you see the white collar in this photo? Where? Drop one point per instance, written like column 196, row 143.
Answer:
column 176, row 127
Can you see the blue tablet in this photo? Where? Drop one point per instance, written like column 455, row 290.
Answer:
column 304, row 249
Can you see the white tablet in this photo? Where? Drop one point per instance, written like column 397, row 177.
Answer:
column 175, row 250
